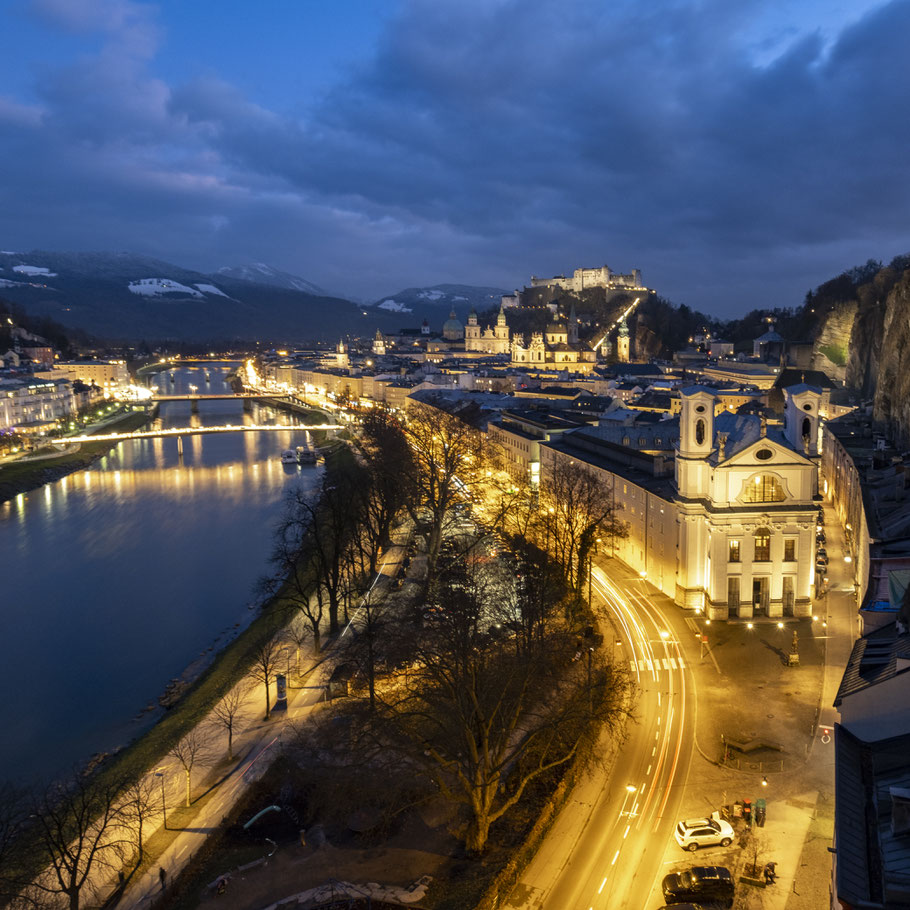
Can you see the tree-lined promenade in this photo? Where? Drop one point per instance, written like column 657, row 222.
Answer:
column 473, row 687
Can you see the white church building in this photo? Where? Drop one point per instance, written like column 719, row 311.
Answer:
column 720, row 510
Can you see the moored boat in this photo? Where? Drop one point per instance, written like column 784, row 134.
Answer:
column 289, row 456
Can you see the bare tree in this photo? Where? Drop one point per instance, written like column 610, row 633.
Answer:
column 577, row 508
column 294, row 579
column 14, row 812
column 264, row 668
column 227, row 709
column 485, row 720
column 389, row 480
column 80, row 837
column 447, row 453
column 191, row 752
column 297, row 635
column 139, row 805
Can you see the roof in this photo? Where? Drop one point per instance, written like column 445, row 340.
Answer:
column 792, row 376
column 874, row 660
column 873, row 863
column 769, row 336
column 695, row 389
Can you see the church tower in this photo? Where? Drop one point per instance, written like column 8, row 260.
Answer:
column 573, row 326
column 379, row 344
column 622, row 342
column 696, row 441
column 801, row 418
column 501, row 333
column 472, row 333
column 341, row 355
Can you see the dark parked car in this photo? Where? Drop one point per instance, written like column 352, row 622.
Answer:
column 699, row 885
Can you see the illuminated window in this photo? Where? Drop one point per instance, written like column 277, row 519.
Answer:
column 789, row 550
column 762, row 545
column 734, row 551
column 764, row 488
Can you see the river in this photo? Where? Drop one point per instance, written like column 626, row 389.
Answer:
column 117, row 578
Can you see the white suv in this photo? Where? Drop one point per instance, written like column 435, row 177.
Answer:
column 693, row 833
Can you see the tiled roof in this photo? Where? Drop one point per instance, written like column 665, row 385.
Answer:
column 873, row 660
column 873, row 862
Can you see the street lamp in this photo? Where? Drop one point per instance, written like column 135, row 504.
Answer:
column 160, row 774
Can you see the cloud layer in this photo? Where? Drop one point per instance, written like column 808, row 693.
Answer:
column 736, row 160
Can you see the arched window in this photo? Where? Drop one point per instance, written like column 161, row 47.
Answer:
column 764, row 488
column 807, row 428
column 762, row 539
column 699, row 432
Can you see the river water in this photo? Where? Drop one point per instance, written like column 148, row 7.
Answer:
column 117, row 578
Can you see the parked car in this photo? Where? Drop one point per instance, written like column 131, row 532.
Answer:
column 821, row 552
column 692, row 833
column 699, row 885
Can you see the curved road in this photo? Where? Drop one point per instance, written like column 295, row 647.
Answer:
column 607, row 847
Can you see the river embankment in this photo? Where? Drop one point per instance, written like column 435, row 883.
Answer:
column 29, row 473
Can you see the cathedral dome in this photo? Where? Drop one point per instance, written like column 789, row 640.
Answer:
column 452, row 329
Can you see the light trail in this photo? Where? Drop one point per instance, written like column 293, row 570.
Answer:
column 643, row 627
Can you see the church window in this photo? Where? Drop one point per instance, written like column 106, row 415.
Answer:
column 764, row 454
column 762, row 545
column 626, row 441
column 790, row 550
column 764, row 488
column 642, row 442
column 807, row 428
column 699, row 432
column 734, row 551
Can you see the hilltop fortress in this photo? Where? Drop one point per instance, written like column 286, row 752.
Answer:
column 592, row 278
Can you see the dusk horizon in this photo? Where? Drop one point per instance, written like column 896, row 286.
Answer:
column 737, row 157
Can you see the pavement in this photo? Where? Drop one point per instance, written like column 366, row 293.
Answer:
column 746, row 690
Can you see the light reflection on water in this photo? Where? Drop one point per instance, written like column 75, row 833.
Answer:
column 118, row 577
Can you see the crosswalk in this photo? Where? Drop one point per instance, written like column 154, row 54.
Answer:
column 660, row 663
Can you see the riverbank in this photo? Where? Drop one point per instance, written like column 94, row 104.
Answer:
column 27, row 474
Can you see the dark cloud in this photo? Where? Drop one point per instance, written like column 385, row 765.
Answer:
column 485, row 141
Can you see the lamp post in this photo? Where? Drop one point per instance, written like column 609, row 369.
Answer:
column 160, row 774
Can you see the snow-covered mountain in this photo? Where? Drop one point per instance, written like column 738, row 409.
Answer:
column 125, row 296
column 261, row 273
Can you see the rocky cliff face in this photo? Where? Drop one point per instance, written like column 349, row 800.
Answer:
column 832, row 344
column 892, row 389
column 862, row 337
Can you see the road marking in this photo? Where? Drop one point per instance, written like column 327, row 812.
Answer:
column 654, row 749
column 602, row 885
column 615, row 857
column 626, row 832
column 649, row 769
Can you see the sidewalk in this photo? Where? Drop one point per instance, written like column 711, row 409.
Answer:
column 747, row 691
column 253, row 749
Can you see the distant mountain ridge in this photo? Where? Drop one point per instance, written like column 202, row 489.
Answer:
column 260, row 273
column 433, row 303
column 128, row 296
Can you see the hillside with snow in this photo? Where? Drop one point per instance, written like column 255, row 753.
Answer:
column 260, row 273
column 129, row 297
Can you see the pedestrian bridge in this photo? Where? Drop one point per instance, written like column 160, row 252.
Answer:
column 195, row 396
column 200, row 431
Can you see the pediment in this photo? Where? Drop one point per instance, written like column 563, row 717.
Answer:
column 765, row 453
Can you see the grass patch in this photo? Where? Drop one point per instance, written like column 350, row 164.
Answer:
column 836, row 353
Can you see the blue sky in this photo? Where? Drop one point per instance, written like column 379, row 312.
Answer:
column 737, row 154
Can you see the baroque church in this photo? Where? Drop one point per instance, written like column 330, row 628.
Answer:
column 558, row 348
column 720, row 510
column 493, row 340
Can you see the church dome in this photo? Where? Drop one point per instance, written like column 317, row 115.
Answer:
column 452, row 329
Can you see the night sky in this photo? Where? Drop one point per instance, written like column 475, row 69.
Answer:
column 738, row 153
